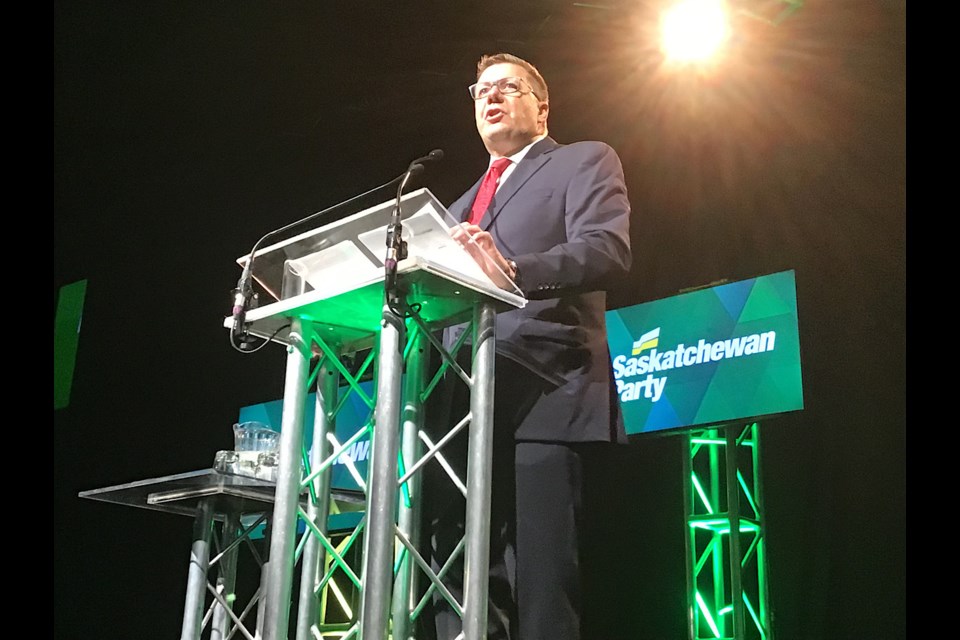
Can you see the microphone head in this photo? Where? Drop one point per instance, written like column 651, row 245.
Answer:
column 433, row 156
column 415, row 169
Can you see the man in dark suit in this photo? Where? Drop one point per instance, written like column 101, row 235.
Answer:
column 558, row 226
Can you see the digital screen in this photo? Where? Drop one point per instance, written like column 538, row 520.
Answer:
column 715, row 355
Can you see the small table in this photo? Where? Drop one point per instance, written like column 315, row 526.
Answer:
column 208, row 496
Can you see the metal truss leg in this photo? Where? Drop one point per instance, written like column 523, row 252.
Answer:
column 318, row 507
column 197, row 573
column 279, row 572
column 479, row 462
column 409, row 507
column 227, row 578
column 378, row 551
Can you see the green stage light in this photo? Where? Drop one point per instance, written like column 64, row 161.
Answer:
column 706, row 615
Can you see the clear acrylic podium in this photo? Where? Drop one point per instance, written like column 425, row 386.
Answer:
column 330, row 305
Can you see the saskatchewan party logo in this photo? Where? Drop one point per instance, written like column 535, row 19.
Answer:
column 647, row 341
column 642, row 374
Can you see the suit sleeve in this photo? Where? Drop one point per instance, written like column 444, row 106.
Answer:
column 597, row 224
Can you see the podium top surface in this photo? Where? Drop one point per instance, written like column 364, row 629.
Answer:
column 351, row 251
column 333, row 276
column 353, row 316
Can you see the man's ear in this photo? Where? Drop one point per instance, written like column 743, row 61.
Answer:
column 543, row 110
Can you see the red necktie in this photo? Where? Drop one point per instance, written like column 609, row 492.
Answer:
column 487, row 188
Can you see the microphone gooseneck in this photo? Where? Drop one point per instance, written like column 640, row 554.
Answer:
column 396, row 246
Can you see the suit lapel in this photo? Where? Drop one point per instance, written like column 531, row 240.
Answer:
column 536, row 158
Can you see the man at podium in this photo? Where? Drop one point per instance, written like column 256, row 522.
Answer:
column 555, row 219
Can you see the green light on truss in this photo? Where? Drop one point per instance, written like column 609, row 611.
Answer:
column 748, row 494
column 710, row 441
column 753, row 616
column 718, row 441
column 706, row 615
column 722, row 526
column 700, row 492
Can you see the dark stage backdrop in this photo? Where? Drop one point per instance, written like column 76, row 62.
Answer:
column 184, row 131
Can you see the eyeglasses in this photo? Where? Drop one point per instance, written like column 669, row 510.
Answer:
column 506, row 87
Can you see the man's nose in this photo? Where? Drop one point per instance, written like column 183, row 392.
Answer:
column 494, row 90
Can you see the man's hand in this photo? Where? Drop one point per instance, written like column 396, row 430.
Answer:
column 479, row 244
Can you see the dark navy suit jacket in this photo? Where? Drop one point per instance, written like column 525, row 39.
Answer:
column 563, row 215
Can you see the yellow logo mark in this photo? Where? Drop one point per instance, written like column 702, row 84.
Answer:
column 647, row 341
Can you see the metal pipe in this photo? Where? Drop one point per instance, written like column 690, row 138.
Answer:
column 479, row 462
column 381, row 487
column 279, row 568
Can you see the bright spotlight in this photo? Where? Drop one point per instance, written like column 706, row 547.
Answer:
column 694, row 30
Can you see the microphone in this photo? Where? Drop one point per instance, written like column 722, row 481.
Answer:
column 396, row 247
column 244, row 291
column 416, row 168
column 434, row 156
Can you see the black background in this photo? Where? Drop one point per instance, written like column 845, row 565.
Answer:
column 185, row 131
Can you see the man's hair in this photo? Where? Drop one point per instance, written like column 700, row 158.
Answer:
column 539, row 84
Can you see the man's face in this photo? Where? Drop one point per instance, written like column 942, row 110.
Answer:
column 508, row 123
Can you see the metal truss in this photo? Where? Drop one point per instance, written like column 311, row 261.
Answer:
column 725, row 536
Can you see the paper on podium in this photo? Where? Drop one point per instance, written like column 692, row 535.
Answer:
column 333, row 268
